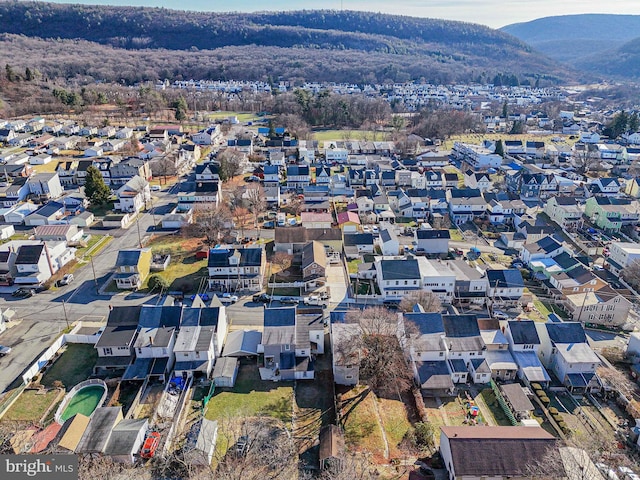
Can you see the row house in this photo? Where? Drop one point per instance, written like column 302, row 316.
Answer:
column 236, row 268
column 565, row 211
column 291, row 339
column 602, row 307
column 610, row 213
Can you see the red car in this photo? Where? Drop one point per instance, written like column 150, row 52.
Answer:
column 150, row 445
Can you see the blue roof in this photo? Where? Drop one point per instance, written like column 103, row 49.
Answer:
column 566, row 332
column 280, row 317
column 512, row 166
column 426, row 322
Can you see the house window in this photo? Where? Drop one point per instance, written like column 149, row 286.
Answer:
column 287, row 347
column 348, row 377
column 107, row 351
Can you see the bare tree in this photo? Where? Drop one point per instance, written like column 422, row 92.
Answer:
column 255, row 201
column 269, row 452
column 616, row 381
column 429, row 301
column 211, row 223
column 631, row 274
column 165, row 167
column 353, row 466
column 586, row 160
column 230, row 163
column 383, row 366
column 282, row 260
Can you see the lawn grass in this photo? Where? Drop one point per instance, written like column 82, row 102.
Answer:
column 184, row 272
column 46, row 168
column 91, row 247
column 340, row 135
column 352, row 265
column 242, row 117
column 396, row 424
column 252, row 396
column 477, row 138
column 495, row 409
column 358, row 418
column 31, row 406
column 455, row 235
column 102, row 210
column 542, row 308
column 72, row 367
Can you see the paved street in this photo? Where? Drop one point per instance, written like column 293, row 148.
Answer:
column 42, row 317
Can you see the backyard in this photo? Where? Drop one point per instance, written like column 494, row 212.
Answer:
column 73, row 366
column 184, row 272
column 32, row 405
column 325, row 135
column 252, row 396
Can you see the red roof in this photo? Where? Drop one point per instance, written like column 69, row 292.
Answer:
column 345, row 217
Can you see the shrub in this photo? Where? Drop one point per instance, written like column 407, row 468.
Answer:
column 553, row 411
column 422, row 435
column 536, row 386
column 545, row 400
column 156, row 282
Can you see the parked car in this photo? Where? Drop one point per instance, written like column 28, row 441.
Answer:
column 24, row 292
column 204, row 296
column 66, row 280
column 517, row 265
column 4, row 350
column 269, row 225
column 150, row 445
column 156, row 188
column 391, row 304
column 289, row 301
column 228, row 298
column 314, row 300
column 261, row 298
column 500, row 315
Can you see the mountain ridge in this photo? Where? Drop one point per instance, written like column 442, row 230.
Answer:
column 584, row 40
column 440, row 49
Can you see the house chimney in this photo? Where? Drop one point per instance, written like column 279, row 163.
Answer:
column 150, row 340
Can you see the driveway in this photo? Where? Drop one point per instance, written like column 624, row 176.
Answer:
column 337, row 283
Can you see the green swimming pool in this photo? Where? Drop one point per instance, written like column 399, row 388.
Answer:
column 84, row 401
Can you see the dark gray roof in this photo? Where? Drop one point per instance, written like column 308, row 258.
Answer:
column 434, row 375
column 353, row 239
column 128, row 258
column 458, row 326
column 29, row 254
column 121, row 328
column 138, row 370
column 432, row 234
column 497, row 457
column 516, row 397
column 523, row 332
column 400, row 269
column 511, row 278
column 548, row 244
column 124, row 436
column 97, row 433
column 49, row 209
column 566, row 332
column 249, row 257
column 280, row 317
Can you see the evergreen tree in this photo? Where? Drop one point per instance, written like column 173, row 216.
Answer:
column 505, row 110
column 95, row 189
column 499, row 148
column 11, row 76
column 28, row 75
column 633, row 125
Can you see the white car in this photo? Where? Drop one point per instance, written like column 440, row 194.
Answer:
column 156, row 188
column 4, row 350
column 228, row 298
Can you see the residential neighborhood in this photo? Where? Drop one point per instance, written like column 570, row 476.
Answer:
column 468, row 310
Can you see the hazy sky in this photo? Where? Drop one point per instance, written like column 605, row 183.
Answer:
column 495, row 13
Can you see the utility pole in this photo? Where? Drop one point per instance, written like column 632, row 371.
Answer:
column 66, row 319
column 138, row 227
column 95, row 279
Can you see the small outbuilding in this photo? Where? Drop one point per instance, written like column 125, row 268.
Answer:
column 225, row 372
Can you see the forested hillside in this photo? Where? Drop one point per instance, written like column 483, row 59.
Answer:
column 596, row 43
column 305, row 45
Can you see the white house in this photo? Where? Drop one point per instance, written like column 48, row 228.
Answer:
column 133, row 195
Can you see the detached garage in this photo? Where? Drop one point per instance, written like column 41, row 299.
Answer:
column 225, row 372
